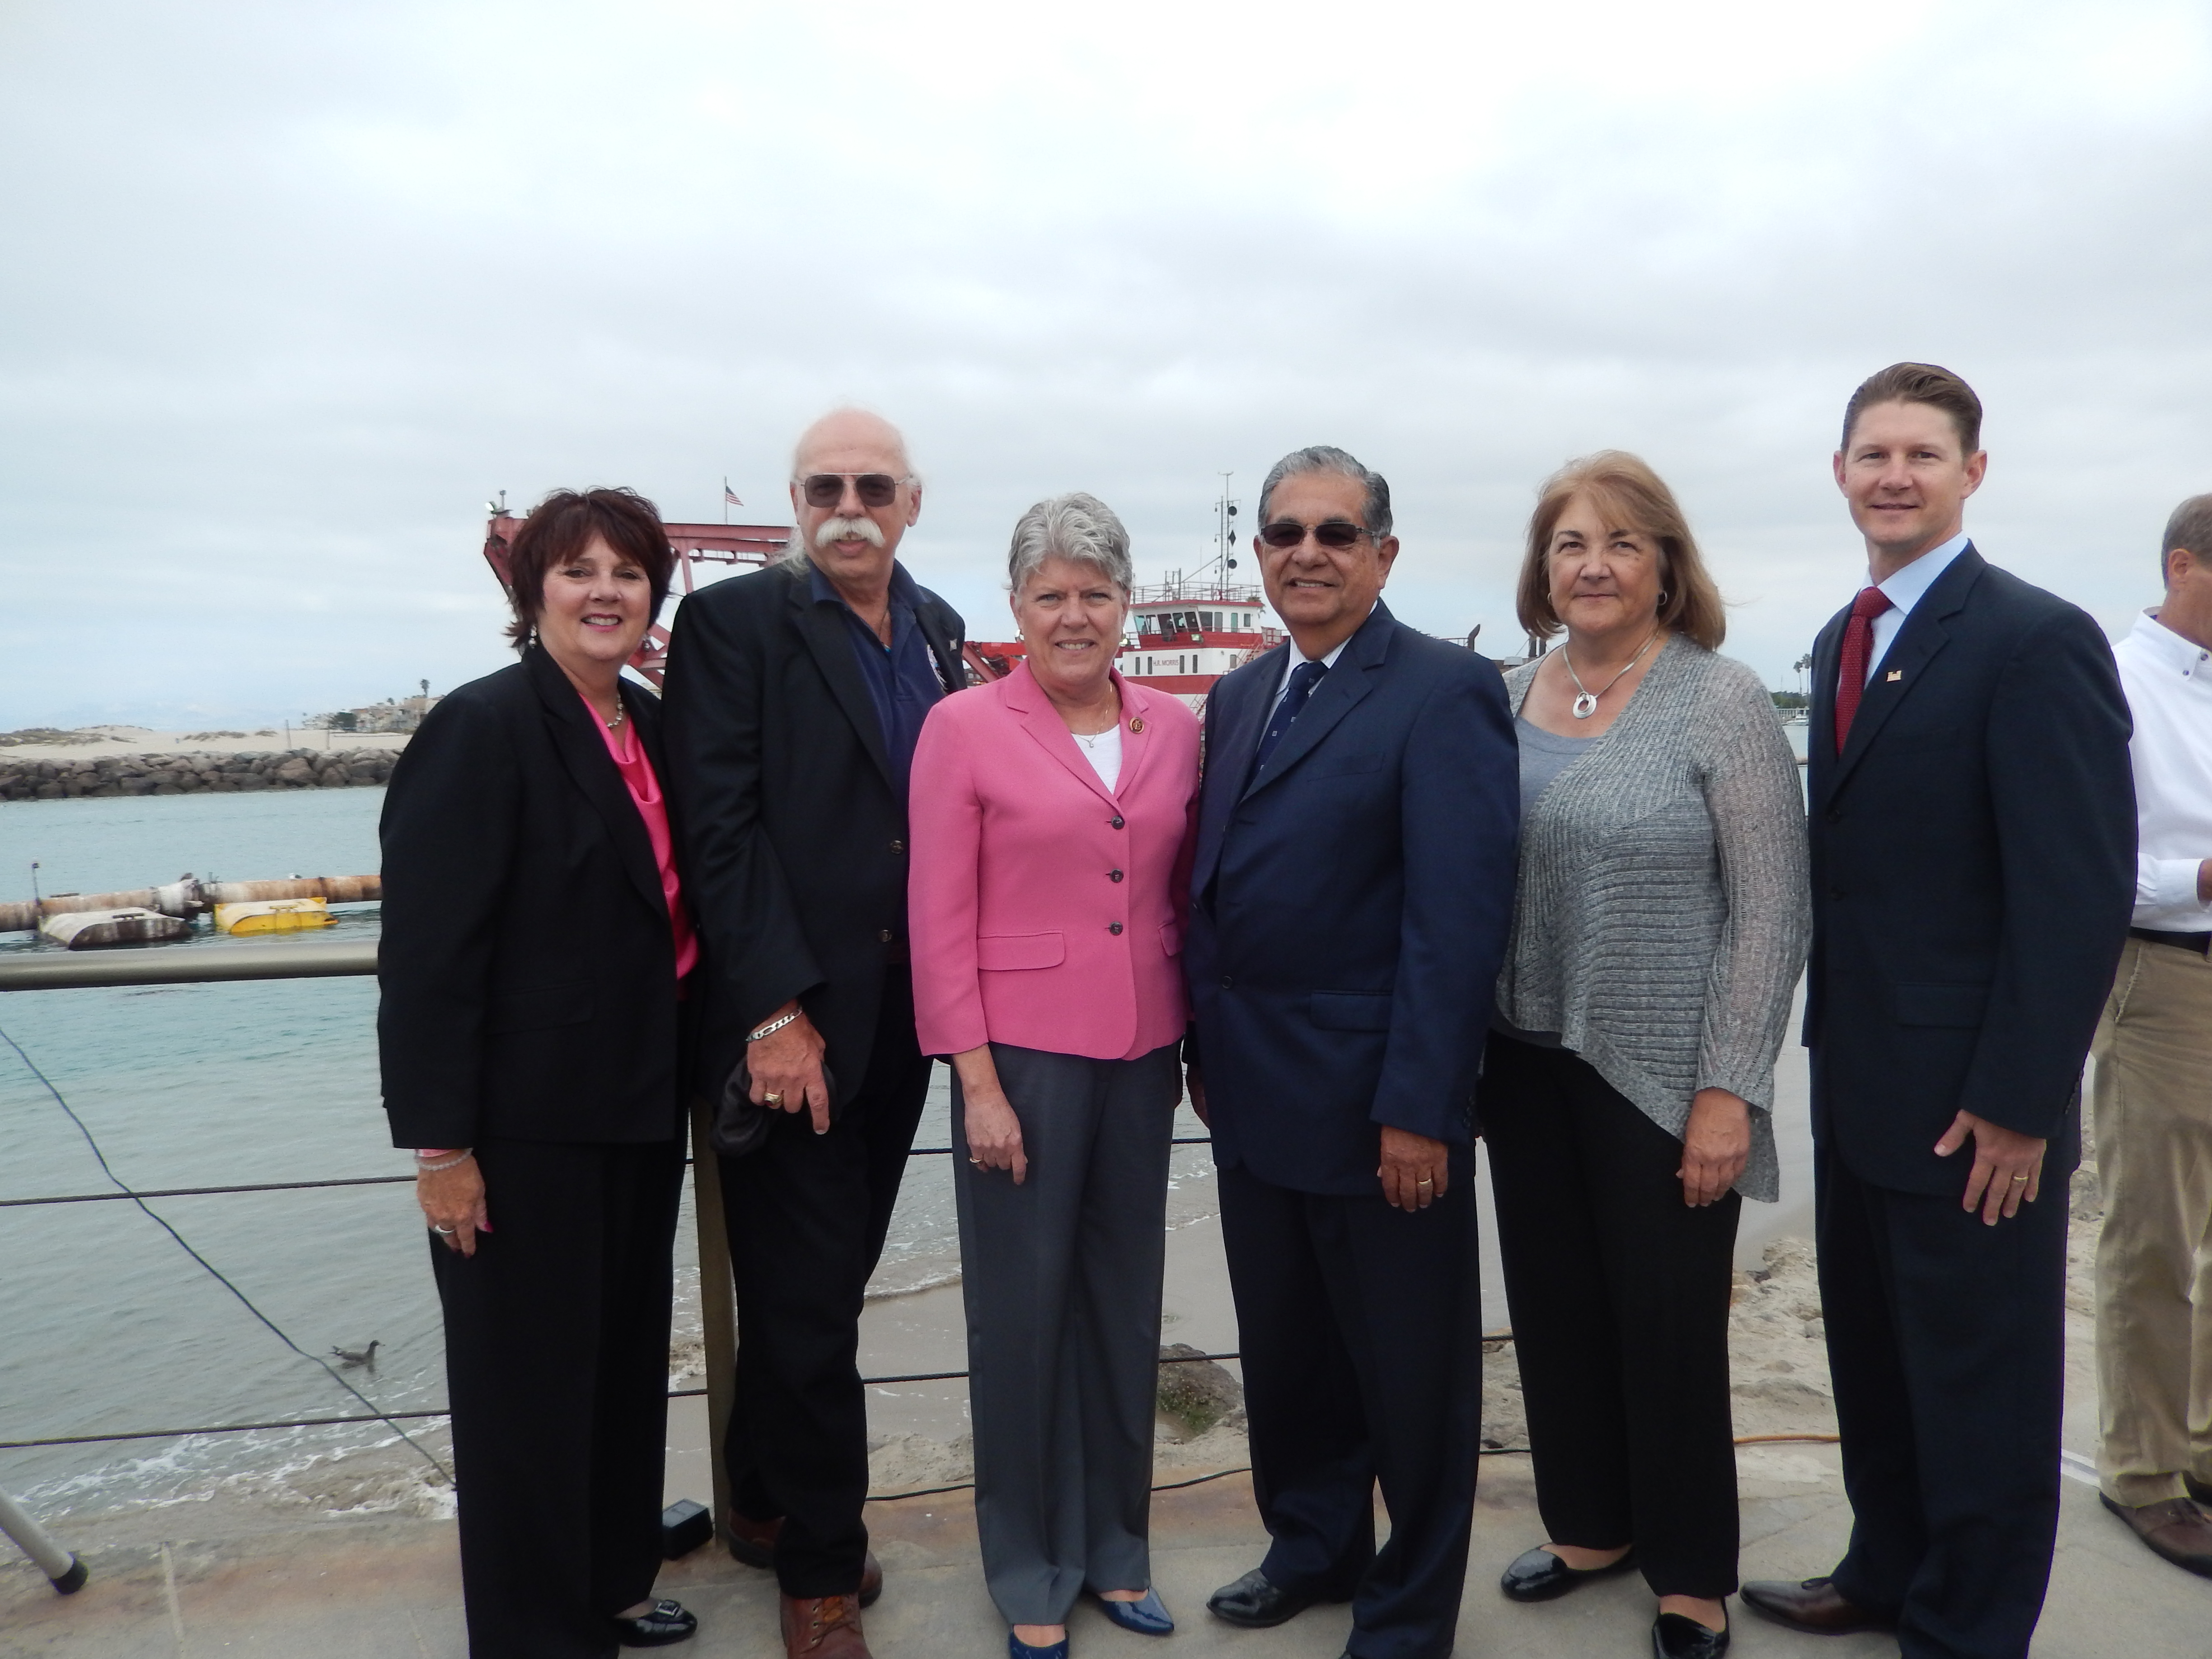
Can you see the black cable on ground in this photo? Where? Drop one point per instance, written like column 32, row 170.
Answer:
column 215, row 1272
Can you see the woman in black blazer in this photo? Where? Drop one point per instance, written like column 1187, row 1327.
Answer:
column 534, row 952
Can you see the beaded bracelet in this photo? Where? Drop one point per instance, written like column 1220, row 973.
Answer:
column 454, row 1163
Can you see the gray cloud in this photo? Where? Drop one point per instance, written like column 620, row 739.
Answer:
column 290, row 290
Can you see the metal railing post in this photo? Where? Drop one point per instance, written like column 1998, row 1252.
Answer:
column 717, row 1303
column 67, row 1572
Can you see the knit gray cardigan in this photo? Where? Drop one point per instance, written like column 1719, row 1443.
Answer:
column 1661, row 914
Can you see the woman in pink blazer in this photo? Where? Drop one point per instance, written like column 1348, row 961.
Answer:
column 1051, row 818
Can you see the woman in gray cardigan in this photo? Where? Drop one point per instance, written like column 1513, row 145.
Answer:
column 1659, row 924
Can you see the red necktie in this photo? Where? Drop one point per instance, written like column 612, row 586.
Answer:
column 1858, row 647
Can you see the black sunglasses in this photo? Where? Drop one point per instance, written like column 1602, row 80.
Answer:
column 1332, row 532
column 828, row 489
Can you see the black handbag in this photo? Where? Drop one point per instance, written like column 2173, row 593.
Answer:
column 741, row 1123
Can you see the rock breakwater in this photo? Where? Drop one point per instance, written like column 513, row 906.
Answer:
column 26, row 779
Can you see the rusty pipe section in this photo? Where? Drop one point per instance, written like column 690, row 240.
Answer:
column 189, row 896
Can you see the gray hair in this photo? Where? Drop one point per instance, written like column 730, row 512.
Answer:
column 1071, row 526
column 1374, row 514
column 2190, row 527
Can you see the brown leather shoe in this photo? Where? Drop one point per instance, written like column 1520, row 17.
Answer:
column 2176, row 1531
column 1814, row 1605
column 823, row 1627
column 753, row 1543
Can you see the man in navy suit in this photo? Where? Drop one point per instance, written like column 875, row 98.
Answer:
column 1351, row 900
column 1973, row 873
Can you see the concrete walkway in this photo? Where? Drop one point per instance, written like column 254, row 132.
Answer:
column 390, row 1589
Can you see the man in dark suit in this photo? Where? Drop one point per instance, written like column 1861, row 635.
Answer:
column 1974, row 867
column 794, row 698
column 1351, row 896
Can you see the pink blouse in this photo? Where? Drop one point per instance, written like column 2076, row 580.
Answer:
column 644, row 787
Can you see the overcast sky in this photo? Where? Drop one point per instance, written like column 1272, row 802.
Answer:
column 286, row 291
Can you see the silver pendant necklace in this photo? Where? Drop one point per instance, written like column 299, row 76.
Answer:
column 1586, row 704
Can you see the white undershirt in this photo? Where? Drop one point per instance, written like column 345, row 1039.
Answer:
column 1103, row 751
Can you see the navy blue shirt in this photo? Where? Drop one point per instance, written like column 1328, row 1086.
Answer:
column 901, row 679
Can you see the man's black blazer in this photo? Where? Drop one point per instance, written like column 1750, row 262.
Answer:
column 1350, row 906
column 795, row 838
column 1973, row 873
column 527, row 969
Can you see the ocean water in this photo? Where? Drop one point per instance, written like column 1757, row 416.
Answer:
column 109, row 1326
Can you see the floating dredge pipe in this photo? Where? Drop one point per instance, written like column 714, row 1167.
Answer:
column 188, row 897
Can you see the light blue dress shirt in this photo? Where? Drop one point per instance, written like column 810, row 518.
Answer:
column 1904, row 591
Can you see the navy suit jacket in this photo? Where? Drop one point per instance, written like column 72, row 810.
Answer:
column 1974, row 873
column 1350, row 906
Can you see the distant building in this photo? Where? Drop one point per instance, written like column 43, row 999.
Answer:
column 393, row 715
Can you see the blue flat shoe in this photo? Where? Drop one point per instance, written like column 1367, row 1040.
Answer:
column 1148, row 1617
column 1017, row 1649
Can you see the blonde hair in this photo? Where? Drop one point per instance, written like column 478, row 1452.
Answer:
column 1632, row 496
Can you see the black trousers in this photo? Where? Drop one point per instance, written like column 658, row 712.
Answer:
column 556, row 1367
column 1620, row 1299
column 1947, row 1345
column 806, row 1215
column 1361, row 1328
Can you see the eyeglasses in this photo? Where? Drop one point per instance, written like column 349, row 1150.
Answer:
column 828, row 489
column 1331, row 534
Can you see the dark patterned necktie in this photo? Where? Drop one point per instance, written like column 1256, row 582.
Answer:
column 1304, row 678
column 1858, row 647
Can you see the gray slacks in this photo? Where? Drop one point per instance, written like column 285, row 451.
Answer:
column 1061, row 1279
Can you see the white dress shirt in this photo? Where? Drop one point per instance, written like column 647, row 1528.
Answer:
column 1904, row 590
column 1295, row 655
column 2169, row 680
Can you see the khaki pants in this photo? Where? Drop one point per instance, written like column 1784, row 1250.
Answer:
column 2152, row 1100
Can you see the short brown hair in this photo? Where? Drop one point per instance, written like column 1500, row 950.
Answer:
column 1919, row 383
column 2190, row 527
column 1627, row 489
column 560, row 527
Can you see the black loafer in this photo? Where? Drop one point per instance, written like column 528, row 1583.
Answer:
column 1255, row 1603
column 663, row 1625
column 1674, row 1637
column 1538, row 1575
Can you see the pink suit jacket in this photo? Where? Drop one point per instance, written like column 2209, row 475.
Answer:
column 1044, row 910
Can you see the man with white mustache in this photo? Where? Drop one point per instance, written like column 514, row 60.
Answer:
column 794, row 698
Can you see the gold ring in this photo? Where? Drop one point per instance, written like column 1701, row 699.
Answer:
column 1425, row 1182
column 977, row 1161
column 772, row 1100
column 2020, row 1177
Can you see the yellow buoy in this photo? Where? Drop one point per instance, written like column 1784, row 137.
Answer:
column 272, row 915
